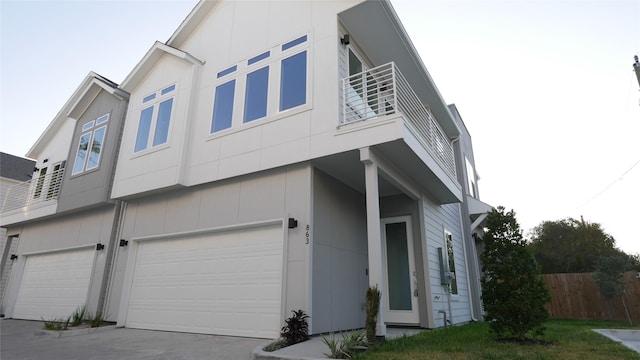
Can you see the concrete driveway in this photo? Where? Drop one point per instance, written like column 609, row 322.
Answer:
column 18, row 341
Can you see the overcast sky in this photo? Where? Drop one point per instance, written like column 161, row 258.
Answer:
column 546, row 89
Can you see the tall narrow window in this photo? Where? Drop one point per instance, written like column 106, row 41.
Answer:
column 155, row 119
column 293, row 81
column 223, row 106
column 40, row 183
column 90, row 145
column 255, row 102
column 56, row 180
column 453, row 286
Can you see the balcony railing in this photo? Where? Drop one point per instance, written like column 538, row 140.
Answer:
column 383, row 91
column 42, row 190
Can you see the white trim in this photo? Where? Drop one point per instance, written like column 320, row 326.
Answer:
column 71, row 248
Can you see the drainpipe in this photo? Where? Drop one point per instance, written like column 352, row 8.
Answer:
column 118, row 214
column 636, row 68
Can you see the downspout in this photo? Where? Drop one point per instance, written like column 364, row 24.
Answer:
column 118, row 214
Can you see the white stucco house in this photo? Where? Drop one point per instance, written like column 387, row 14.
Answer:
column 280, row 155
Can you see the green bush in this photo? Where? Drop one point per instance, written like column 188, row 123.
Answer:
column 513, row 292
column 351, row 344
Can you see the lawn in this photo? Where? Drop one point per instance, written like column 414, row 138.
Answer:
column 567, row 339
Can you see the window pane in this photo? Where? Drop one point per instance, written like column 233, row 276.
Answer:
column 398, row 270
column 102, row 119
column 227, row 71
column 162, row 125
column 168, row 89
column 255, row 103
column 88, row 125
column 143, row 129
column 81, row 155
column 223, row 106
column 96, row 147
column 149, row 98
column 255, row 59
column 293, row 81
column 452, row 264
column 295, row 42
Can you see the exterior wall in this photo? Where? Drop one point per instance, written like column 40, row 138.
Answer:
column 276, row 194
column 93, row 187
column 437, row 220
column 160, row 166
column 339, row 256
column 57, row 149
column 75, row 230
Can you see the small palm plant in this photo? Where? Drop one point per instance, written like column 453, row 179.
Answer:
column 296, row 329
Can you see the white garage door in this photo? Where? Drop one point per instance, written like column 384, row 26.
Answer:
column 225, row 283
column 53, row 285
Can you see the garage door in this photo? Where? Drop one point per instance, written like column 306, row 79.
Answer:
column 225, row 283
column 53, row 285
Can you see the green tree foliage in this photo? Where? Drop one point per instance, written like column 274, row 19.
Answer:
column 609, row 275
column 513, row 292
column 571, row 246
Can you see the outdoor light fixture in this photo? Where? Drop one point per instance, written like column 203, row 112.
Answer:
column 345, row 39
column 124, row 242
column 14, row 256
column 99, row 246
column 293, row 223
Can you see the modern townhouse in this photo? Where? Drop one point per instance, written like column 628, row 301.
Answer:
column 61, row 221
column 280, row 155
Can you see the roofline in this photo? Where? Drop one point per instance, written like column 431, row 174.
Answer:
column 150, row 58
column 56, row 123
column 195, row 17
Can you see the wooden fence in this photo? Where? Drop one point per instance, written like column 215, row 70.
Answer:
column 577, row 296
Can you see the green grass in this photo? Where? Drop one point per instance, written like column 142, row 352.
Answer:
column 566, row 339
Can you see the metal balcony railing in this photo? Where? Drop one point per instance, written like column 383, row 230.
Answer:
column 383, row 91
column 40, row 190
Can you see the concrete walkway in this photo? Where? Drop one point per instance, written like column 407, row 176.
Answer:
column 628, row 338
column 19, row 340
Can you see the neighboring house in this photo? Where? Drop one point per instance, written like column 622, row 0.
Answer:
column 14, row 170
column 62, row 219
column 279, row 156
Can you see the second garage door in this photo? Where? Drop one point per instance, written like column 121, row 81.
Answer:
column 225, row 283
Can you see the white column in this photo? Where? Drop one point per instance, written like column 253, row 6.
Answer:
column 374, row 239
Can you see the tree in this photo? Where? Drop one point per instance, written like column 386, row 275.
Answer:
column 571, row 246
column 609, row 272
column 513, row 292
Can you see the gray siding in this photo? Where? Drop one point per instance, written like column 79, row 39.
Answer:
column 339, row 255
column 439, row 218
column 93, row 187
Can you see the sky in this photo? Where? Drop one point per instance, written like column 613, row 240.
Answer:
column 546, row 89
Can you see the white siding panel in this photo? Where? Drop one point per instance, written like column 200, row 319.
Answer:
column 226, row 283
column 54, row 285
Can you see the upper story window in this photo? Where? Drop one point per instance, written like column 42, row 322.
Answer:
column 284, row 67
column 90, row 145
column 471, row 179
column 155, row 118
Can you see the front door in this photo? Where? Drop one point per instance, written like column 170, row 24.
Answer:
column 400, row 281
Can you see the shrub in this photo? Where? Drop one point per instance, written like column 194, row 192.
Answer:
column 296, row 329
column 373, row 306
column 352, row 343
column 96, row 320
column 513, row 292
column 56, row 324
column 276, row 345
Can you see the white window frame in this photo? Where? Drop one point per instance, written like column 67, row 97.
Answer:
column 90, row 128
column 274, row 63
column 156, row 98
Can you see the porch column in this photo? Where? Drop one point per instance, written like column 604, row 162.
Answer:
column 374, row 239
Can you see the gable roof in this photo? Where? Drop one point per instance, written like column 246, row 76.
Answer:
column 16, row 168
column 76, row 106
column 150, row 59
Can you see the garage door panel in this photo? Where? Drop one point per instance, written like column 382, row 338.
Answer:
column 54, row 284
column 226, row 283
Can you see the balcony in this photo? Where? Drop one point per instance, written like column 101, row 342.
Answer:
column 383, row 91
column 36, row 193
